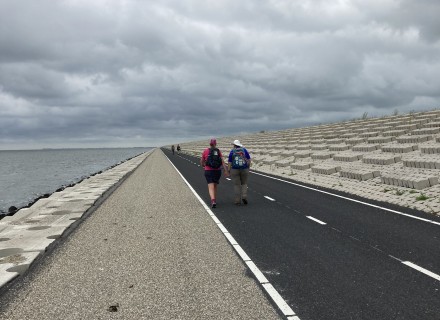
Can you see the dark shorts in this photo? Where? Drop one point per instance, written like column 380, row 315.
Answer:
column 213, row 176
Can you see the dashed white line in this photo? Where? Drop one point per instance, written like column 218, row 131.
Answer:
column 269, row 198
column 228, row 179
column 316, row 220
column 423, row 270
column 350, row 199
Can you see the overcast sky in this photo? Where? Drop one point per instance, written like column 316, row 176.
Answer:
column 148, row 73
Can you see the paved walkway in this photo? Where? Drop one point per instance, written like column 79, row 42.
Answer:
column 150, row 251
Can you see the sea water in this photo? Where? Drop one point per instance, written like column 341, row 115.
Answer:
column 28, row 174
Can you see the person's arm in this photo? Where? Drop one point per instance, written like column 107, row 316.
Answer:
column 248, row 158
column 224, row 164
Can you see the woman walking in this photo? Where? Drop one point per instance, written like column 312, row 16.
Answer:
column 212, row 162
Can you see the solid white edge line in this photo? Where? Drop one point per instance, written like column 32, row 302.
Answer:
column 423, row 270
column 257, row 273
column 231, row 239
column 217, row 221
column 271, row 291
column 284, row 307
column 316, row 220
column 222, row 228
column 350, row 199
column 269, row 198
column 241, row 252
column 228, row 179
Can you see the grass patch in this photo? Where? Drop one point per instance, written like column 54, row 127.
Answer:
column 399, row 192
column 385, row 190
column 413, row 191
column 422, row 197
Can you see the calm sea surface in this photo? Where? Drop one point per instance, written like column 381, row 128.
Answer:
column 26, row 175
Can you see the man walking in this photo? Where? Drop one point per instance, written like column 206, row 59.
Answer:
column 212, row 162
column 239, row 162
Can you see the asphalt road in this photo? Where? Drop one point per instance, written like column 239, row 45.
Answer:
column 329, row 257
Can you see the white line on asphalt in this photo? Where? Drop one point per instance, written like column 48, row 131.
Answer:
column 316, row 220
column 393, row 257
column 284, row 307
column 350, row 199
column 228, row 179
column 269, row 198
column 241, row 252
column 257, row 273
column 423, row 270
column 273, row 293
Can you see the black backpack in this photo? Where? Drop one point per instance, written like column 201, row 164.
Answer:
column 214, row 160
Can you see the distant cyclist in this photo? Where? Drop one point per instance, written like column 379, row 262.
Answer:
column 239, row 162
column 178, row 148
column 212, row 162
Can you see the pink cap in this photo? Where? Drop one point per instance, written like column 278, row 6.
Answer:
column 213, row 142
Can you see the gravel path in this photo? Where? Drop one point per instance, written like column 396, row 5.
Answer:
column 150, row 251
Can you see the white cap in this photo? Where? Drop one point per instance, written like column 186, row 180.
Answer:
column 237, row 143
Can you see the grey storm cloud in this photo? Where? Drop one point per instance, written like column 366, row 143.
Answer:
column 127, row 72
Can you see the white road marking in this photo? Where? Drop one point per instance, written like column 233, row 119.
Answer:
column 423, row 270
column 393, row 257
column 284, row 307
column 241, row 252
column 257, row 273
column 350, row 199
column 228, row 179
column 231, row 239
column 275, row 296
column 316, row 220
column 269, row 198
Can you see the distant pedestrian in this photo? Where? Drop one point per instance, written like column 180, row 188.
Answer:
column 212, row 162
column 178, row 148
column 172, row 148
column 239, row 162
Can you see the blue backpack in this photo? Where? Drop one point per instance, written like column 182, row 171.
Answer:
column 239, row 160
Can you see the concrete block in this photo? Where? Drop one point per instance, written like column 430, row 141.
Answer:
column 339, row 147
column 14, row 261
column 415, row 181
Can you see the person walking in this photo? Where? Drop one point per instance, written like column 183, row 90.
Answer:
column 212, row 162
column 172, row 148
column 239, row 162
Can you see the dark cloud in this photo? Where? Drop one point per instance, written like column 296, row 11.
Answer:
column 115, row 73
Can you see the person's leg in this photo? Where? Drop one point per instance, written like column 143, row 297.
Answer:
column 244, row 174
column 212, row 188
column 235, row 175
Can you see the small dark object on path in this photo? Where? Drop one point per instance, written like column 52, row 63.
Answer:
column 113, row 308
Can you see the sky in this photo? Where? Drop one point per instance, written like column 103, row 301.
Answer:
column 126, row 73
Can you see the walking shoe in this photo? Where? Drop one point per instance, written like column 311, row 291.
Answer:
column 245, row 201
column 213, row 204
